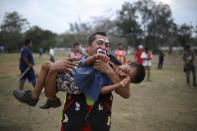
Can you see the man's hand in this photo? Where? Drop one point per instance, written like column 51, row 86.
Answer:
column 74, row 59
column 63, row 65
column 30, row 65
column 125, row 82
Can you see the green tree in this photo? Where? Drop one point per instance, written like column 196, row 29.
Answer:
column 11, row 31
column 158, row 25
column 128, row 25
column 40, row 38
column 184, row 34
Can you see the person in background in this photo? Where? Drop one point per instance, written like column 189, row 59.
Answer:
column 160, row 60
column 76, row 53
column 189, row 66
column 52, row 53
column 41, row 52
column 26, row 63
column 120, row 54
column 138, row 54
column 147, row 56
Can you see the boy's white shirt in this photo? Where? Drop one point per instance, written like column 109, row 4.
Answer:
column 146, row 62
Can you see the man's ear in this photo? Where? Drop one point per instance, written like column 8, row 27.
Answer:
column 87, row 46
column 129, row 61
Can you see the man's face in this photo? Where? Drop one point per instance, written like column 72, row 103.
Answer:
column 188, row 49
column 120, row 47
column 126, row 70
column 100, row 42
column 141, row 49
column 30, row 44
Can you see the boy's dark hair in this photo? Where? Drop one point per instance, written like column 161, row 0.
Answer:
column 140, row 73
column 93, row 36
column 27, row 41
column 76, row 44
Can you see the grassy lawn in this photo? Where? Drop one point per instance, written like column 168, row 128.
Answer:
column 165, row 103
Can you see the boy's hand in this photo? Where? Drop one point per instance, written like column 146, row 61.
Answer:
column 125, row 82
column 102, row 57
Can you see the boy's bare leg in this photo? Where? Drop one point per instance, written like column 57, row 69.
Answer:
column 50, row 91
column 21, row 85
column 32, row 97
column 50, row 85
column 41, row 79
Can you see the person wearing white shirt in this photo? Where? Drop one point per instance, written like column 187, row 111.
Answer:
column 147, row 56
column 51, row 53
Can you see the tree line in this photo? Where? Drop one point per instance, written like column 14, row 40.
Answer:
column 143, row 22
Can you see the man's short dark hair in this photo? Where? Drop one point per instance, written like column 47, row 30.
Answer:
column 140, row 73
column 93, row 36
column 27, row 41
column 76, row 44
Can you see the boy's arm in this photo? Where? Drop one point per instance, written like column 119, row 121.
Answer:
column 123, row 92
column 106, row 69
column 90, row 60
column 108, row 89
column 124, row 83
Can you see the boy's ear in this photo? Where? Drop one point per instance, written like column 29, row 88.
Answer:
column 129, row 61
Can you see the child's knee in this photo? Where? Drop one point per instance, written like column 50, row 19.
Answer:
column 46, row 65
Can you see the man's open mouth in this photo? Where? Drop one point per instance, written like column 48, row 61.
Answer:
column 101, row 51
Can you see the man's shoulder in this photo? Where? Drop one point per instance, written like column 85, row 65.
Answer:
column 25, row 49
column 138, row 52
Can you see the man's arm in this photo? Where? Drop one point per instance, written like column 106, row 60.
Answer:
column 27, row 61
column 106, row 69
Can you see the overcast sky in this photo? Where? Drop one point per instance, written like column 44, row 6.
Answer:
column 55, row 15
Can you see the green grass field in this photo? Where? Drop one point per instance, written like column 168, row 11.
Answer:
column 164, row 104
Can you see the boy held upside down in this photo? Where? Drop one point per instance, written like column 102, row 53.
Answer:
column 84, row 79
